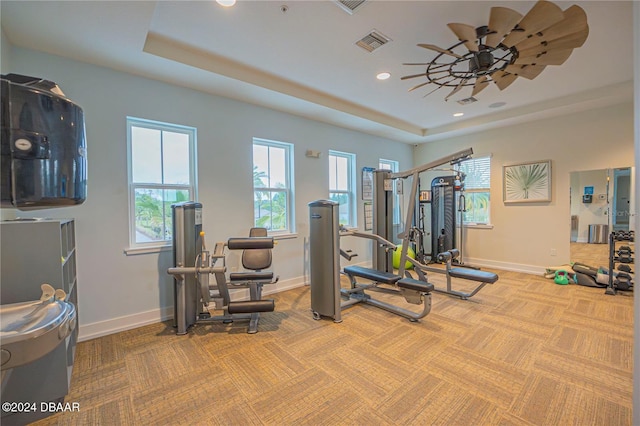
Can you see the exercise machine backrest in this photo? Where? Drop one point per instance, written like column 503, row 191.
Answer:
column 256, row 259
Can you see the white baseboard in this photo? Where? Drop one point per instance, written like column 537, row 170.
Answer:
column 128, row 322
column 506, row 266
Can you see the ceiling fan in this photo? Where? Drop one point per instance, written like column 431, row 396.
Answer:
column 510, row 46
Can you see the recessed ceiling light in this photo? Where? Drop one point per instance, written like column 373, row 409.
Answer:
column 497, row 104
column 458, row 114
column 383, row 76
column 226, row 3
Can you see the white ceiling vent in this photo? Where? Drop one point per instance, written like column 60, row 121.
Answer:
column 467, row 101
column 372, row 41
column 349, row 6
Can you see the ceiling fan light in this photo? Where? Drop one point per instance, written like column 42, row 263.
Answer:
column 226, row 3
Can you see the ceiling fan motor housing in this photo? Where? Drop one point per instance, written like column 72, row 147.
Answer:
column 481, row 62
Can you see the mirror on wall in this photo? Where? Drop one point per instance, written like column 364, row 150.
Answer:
column 601, row 202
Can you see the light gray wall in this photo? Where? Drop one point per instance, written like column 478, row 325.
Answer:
column 5, row 53
column 112, row 284
column 636, row 301
column 523, row 235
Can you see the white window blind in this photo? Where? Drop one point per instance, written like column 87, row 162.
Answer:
column 478, row 173
column 477, row 185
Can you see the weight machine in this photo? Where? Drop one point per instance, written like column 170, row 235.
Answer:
column 327, row 296
column 383, row 204
column 193, row 264
column 439, row 217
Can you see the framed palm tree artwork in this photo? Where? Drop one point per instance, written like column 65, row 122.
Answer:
column 527, row 182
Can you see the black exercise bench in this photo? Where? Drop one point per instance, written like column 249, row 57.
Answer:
column 474, row 275
column 414, row 291
column 482, row 277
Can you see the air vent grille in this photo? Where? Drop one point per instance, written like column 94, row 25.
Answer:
column 372, row 41
column 349, row 6
column 467, row 101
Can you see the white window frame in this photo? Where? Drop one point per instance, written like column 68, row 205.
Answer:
column 191, row 132
column 351, row 186
column 470, row 189
column 289, row 184
column 393, row 166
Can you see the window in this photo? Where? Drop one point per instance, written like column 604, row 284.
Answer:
column 161, row 172
column 392, row 166
column 272, row 185
column 477, row 186
column 342, row 185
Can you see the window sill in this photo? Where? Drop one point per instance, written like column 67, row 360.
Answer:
column 478, row 226
column 284, row 236
column 133, row 251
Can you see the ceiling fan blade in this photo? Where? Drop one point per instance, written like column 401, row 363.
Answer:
column 481, row 83
column 418, row 86
column 466, row 34
column 554, row 57
column 406, row 77
column 437, row 88
column 457, row 89
column 501, row 22
column 503, row 79
column 526, row 71
column 575, row 21
column 440, row 49
column 542, row 15
column 570, row 41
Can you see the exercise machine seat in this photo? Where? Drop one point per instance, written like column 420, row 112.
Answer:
column 372, row 274
column 474, row 275
column 417, row 285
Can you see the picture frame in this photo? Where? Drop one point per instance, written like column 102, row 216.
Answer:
column 528, row 182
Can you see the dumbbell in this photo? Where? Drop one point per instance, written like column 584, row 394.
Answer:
column 623, row 281
column 625, row 268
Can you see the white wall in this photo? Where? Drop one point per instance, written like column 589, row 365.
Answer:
column 113, row 286
column 523, row 235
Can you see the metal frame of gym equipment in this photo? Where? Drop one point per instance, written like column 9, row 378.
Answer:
column 443, row 214
column 443, row 205
column 383, row 204
column 193, row 264
column 327, row 297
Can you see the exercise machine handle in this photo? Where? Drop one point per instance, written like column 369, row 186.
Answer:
column 348, row 254
column 344, row 232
